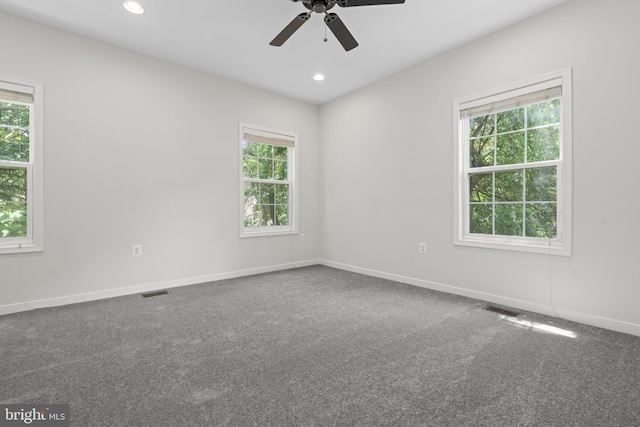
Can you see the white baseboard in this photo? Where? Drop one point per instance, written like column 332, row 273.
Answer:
column 14, row 308
column 587, row 319
column 147, row 287
column 601, row 322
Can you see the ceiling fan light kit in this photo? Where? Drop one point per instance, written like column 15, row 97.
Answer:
column 332, row 20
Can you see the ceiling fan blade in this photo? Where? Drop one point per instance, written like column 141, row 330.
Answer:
column 350, row 3
column 290, row 29
column 340, row 30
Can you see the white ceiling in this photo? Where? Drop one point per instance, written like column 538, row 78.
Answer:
column 230, row 38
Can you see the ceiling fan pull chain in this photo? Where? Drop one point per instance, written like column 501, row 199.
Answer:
column 325, row 32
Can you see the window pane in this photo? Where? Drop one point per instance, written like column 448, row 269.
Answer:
column 280, row 170
column 251, row 194
column 250, row 167
column 481, row 187
column 268, row 215
column 544, row 113
column 13, row 202
column 253, row 217
column 510, row 120
column 282, row 194
column 543, row 144
column 16, row 115
column 251, row 191
column 541, row 220
column 14, row 132
column 509, row 219
column 267, row 194
column 542, row 185
column 482, row 126
column 265, row 168
column 509, row 186
column 280, row 153
column 481, row 152
column 510, row 149
column 249, row 148
column 13, row 219
column 282, row 215
column 481, row 219
column 265, row 150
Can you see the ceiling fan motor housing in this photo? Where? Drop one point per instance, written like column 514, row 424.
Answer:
column 319, row 6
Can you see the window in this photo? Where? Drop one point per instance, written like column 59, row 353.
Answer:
column 513, row 167
column 20, row 166
column 268, row 196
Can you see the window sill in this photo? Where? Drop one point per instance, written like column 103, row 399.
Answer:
column 542, row 246
column 12, row 249
column 270, row 231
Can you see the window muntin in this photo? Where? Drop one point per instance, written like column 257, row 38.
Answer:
column 268, row 186
column 513, row 167
column 20, row 166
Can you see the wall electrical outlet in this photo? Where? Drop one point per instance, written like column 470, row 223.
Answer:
column 302, row 237
column 423, row 248
column 137, row 250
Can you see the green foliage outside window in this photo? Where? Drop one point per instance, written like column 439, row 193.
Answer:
column 14, row 148
column 266, row 201
column 519, row 201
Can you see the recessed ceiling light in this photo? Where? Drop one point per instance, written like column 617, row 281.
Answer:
column 133, row 7
column 318, row 77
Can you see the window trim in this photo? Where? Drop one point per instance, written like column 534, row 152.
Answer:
column 277, row 230
column 562, row 244
column 34, row 242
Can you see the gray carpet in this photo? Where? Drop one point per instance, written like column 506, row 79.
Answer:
column 314, row 347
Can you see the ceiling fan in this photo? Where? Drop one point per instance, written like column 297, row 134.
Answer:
column 332, row 20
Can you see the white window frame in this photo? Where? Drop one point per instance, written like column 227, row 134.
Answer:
column 34, row 241
column 275, row 230
column 561, row 244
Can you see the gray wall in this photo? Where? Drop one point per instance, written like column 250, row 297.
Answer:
column 388, row 169
column 138, row 150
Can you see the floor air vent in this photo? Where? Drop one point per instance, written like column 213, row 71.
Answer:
column 502, row 311
column 154, row 294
